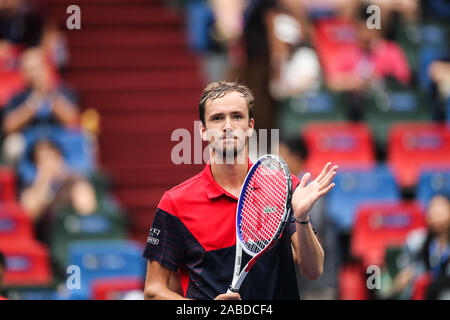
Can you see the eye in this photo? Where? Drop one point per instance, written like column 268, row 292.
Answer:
column 237, row 116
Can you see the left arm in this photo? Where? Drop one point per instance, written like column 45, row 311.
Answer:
column 308, row 251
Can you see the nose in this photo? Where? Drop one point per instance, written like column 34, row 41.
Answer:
column 227, row 126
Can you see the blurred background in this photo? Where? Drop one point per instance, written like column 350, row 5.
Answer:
column 87, row 117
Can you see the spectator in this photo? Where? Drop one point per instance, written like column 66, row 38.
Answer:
column 428, row 250
column 45, row 102
column 358, row 66
column 2, row 272
column 54, row 188
column 373, row 59
column 295, row 67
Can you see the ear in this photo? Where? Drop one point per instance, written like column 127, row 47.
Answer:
column 251, row 126
column 203, row 133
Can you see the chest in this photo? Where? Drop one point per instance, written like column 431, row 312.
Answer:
column 212, row 224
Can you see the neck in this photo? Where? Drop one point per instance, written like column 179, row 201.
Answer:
column 230, row 176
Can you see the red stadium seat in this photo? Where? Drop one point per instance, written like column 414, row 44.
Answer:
column 352, row 282
column 115, row 288
column 378, row 226
column 7, row 184
column 11, row 83
column 346, row 144
column 336, row 43
column 14, row 224
column 27, row 263
column 413, row 147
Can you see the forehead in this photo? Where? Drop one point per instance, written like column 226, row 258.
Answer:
column 231, row 102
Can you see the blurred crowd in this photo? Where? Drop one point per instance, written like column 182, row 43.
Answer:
column 48, row 141
column 283, row 48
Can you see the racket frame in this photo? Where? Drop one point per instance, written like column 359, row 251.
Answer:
column 239, row 276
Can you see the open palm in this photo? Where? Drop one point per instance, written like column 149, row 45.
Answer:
column 306, row 195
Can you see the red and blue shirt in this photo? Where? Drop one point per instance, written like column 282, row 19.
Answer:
column 194, row 229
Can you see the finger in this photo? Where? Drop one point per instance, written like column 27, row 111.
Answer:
column 324, row 171
column 329, row 177
column 330, row 170
column 326, row 190
column 304, row 180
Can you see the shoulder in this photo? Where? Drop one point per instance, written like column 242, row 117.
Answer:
column 173, row 198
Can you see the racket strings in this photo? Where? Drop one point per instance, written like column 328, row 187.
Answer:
column 263, row 207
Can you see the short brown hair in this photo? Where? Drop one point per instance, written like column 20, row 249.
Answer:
column 219, row 89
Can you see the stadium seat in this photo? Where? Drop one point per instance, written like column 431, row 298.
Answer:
column 115, row 289
column 199, row 18
column 348, row 145
column 296, row 112
column 415, row 147
column 14, row 224
column 8, row 188
column 27, row 263
column 378, row 226
column 104, row 259
column 391, row 106
column 70, row 227
column 76, row 148
column 11, row 83
column 352, row 282
column 432, row 182
column 433, row 47
column 353, row 187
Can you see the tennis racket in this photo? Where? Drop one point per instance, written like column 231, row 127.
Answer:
column 262, row 212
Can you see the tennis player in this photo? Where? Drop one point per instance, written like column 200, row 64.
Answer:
column 194, row 229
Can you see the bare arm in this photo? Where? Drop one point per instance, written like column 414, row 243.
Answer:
column 18, row 118
column 309, row 252
column 157, row 283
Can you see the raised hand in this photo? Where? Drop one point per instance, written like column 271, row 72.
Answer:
column 305, row 195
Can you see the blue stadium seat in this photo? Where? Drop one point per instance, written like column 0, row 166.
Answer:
column 433, row 47
column 432, row 182
column 199, row 18
column 102, row 260
column 76, row 148
column 354, row 187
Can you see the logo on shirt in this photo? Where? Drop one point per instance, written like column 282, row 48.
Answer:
column 151, row 240
column 154, row 232
column 151, row 237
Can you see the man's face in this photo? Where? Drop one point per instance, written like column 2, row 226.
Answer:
column 227, row 125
